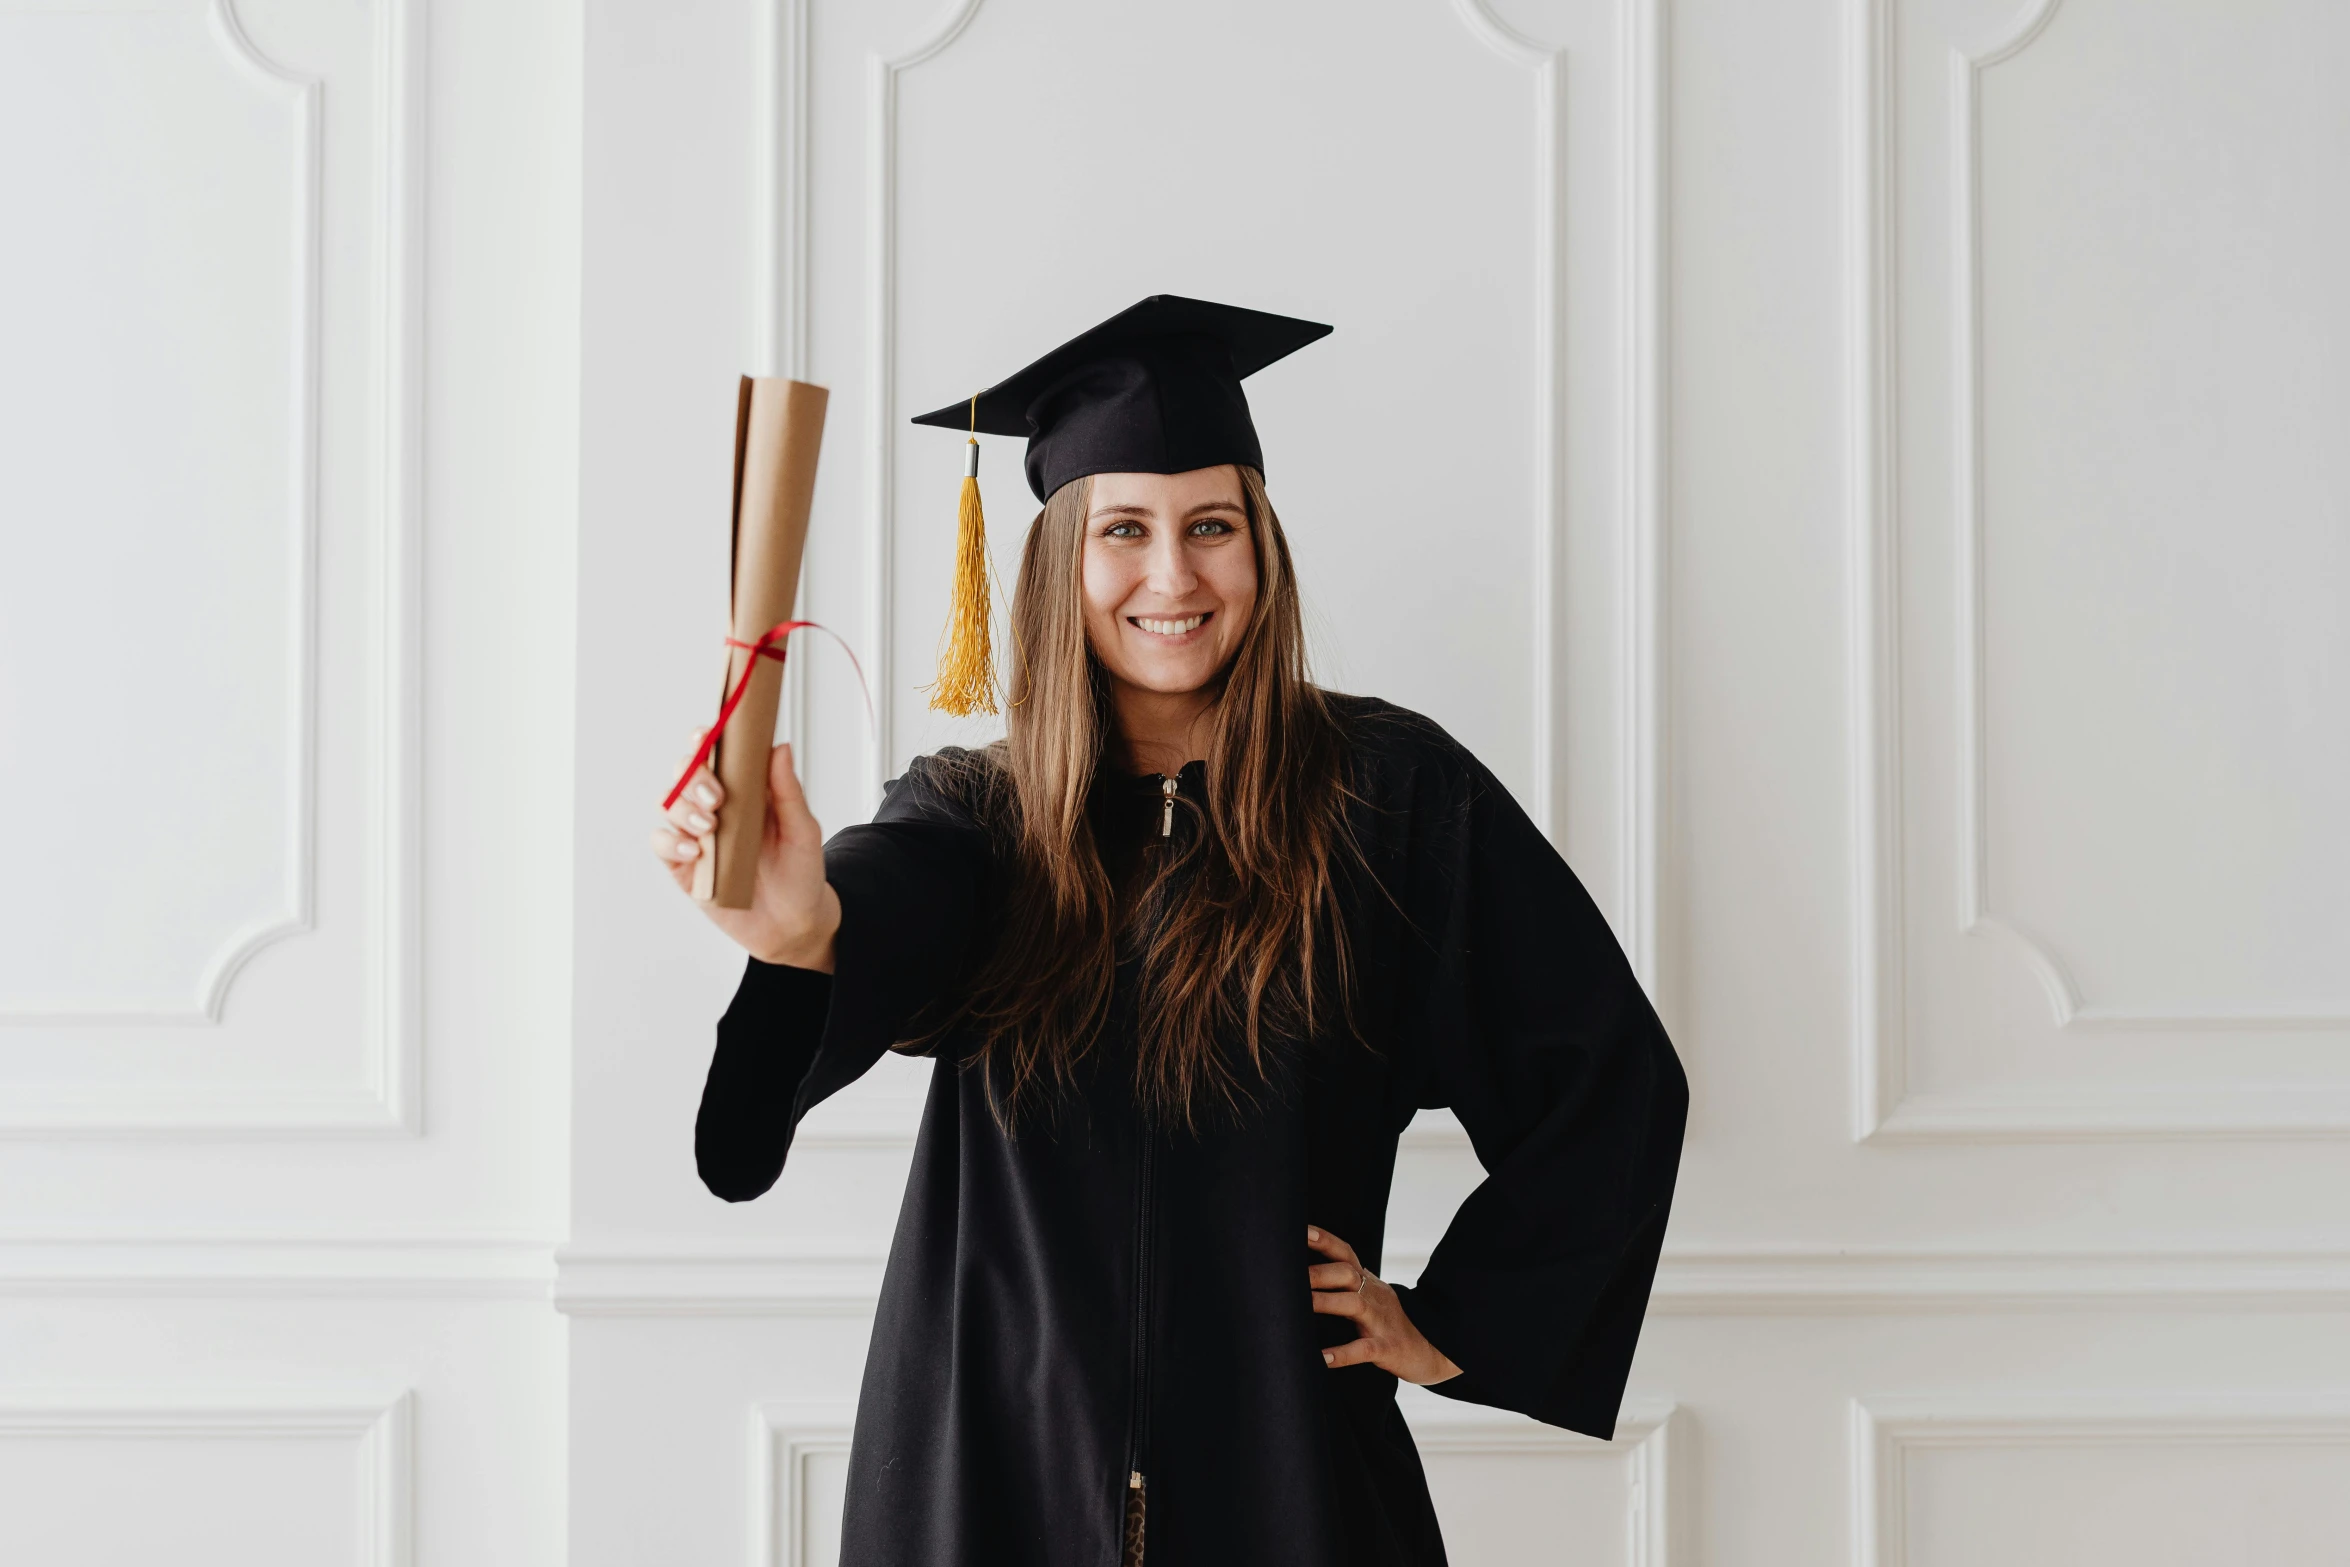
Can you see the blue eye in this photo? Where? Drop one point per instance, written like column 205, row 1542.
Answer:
column 1209, row 527
column 1123, row 530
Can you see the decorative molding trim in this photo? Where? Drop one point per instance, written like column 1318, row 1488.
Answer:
column 382, row 1428
column 1885, row 1431
column 1872, row 571
column 784, row 1436
column 199, row 1111
column 1876, row 1281
column 301, row 825
column 1884, row 1109
column 1549, row 68
column 881, row 343
column 1651, row 1440
column 829, row 1279
column 779, row 262
column 1640, row 379
column 779, row 251
column 775, row 1279
column 388, row 1097
column 395, row 982
column 1645, row 543
column 2093, row 1113
column 125, row 1264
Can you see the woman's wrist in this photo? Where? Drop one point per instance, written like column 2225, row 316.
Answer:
column 811, row 948
column 815, row 959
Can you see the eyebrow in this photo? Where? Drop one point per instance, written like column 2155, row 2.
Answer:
column 1200, row 510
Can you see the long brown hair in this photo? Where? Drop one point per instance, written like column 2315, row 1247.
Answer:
column 1239, row 941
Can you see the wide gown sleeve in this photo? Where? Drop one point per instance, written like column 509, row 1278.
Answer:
column 909, row 882
column 1546, row 1048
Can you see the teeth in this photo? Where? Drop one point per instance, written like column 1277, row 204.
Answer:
column 1170, row 628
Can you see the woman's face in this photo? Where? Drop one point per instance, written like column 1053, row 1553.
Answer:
column 1170, row 576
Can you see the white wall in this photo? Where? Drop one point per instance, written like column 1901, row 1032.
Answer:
column 1866, row 471
column 1990, row 887
column 287, row 484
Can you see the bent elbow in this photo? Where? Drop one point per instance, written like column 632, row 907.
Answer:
column 731, row 1183
column 728, row 1174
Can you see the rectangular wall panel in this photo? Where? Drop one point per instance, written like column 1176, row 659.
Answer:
column 207, row 624
column 259, row 1480
column 1975, row 1484
column 2097, row 601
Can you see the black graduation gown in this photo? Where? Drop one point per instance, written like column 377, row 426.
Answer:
column 1095, row 1297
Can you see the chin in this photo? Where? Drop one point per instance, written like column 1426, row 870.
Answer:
column 1172, row 682
column 1171, row 676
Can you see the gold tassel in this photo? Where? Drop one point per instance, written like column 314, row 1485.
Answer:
column 966, row 672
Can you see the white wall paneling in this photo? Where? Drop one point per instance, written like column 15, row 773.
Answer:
column 799, row 1463
column 881, row 401
column 190, row 358
column 1618, row 437
column 1863, row 471
column 1639, row 388
column 1580, row 445
column 2053, row 733
column 1617, row 509
column 343, row 1263
column 833, row 1280
column 262, row 123
column 799, row 1453
column 2158, row 1480
column 285, row 572
column 1541, row 1495
column 254, row 1476
column 905, row 165
column 779, row 257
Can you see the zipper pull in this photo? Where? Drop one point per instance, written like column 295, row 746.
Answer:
column 1166, row 807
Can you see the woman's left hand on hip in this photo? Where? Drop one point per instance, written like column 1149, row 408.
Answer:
column 1385, row 1336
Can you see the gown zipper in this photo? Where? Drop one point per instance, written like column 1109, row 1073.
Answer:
column 1137, row 1484
column 1138, row 1417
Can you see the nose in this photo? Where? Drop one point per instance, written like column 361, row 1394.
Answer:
column 1169, row 573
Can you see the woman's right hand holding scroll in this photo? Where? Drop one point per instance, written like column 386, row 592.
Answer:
column 794, row 912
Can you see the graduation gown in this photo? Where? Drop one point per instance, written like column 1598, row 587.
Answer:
column 1100, row 1296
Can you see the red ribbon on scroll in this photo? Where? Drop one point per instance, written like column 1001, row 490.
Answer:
column 769, row 645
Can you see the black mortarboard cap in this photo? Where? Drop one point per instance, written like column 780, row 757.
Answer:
column 1154, row 389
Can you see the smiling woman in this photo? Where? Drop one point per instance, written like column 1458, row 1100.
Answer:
column 1191, row 944
column 1113, row 564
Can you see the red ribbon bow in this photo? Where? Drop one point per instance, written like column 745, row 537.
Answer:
column 769, row 645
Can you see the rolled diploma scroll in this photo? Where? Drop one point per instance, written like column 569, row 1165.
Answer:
column 778, row 427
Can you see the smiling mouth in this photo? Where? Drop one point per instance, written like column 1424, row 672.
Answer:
column 1180, row 626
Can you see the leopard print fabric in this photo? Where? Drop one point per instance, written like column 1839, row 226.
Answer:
column 1132, row 1556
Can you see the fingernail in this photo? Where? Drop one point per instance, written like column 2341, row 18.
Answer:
column 687, row 848
column 1313, row 1234
column 697, row 821
column 705, row 795
column 1329, row 1359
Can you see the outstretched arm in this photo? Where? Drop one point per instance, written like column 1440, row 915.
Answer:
column 849, row 941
